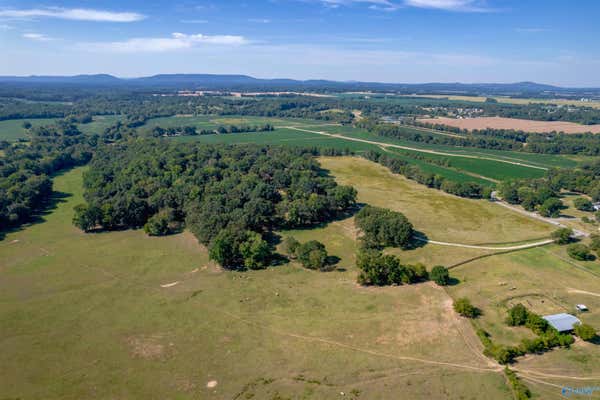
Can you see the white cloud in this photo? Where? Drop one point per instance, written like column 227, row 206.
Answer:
column 38, row 37
column 449, row 5
column 260, row 20
column 177, row 41
column 76, row 14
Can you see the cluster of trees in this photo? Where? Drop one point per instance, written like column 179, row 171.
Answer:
column 239, row 249
column 543, row 194
column 25, row 169
column 547, row 337
column 384, row 228
column 218, row 192
column 381, row 269
column 577, row 251
column 580, row 252
column 463, row 189
column 158, row 131
column 312, row 254
column 532, row 195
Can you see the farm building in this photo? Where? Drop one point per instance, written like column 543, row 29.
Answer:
column 562, row 322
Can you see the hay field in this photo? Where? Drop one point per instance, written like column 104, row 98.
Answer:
column 514, row 123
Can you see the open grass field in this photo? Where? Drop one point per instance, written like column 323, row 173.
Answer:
column 99, row 124
column 86, row 316
column 514, row 123
column 12, row 129
column 438, row 215
column 214, row 121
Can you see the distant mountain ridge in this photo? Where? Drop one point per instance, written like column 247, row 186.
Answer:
column 245, row 82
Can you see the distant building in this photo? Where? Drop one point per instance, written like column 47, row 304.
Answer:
column 562, row 322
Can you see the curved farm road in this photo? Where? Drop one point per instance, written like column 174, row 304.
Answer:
column 469, row 246
column 397, row 146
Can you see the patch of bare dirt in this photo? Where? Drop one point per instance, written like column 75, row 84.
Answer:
column 146, row 347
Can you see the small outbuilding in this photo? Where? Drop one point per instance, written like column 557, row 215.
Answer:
column 581, row 307
column 562, row 322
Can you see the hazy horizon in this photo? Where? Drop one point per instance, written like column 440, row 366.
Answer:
column 391, row 41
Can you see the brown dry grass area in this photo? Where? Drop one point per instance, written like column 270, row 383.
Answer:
column 514, row 123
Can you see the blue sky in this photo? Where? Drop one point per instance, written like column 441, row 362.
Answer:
column 369, row 40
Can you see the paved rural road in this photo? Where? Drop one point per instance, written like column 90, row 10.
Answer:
column 397, row 146
column 469, row 246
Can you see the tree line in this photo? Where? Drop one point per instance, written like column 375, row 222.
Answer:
column 463, row 189
column 158, row 131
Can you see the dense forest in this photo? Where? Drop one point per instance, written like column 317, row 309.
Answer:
column 228, row 196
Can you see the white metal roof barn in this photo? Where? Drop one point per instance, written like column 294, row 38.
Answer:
column 562, row 322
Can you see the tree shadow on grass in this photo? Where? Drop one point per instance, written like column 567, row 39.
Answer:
column 452, row 281
column 419, row 240
column 40, row 215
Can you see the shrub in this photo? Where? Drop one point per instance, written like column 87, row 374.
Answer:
column 595, row 243
column 579, row 252
column 583, row 204
column 536, row 323
column 521, row 391
column 289, row 246
column 551, row 207
column 312, row 255
column 464, row 307
column 585, row 332
column 439, row 274
column 562, row 235
column 517, row 315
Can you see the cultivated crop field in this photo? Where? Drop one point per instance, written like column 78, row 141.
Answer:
column 462, row 165
column 510, row 100
column 514, row 123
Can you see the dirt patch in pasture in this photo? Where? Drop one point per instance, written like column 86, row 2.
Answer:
column 514, row 123
column 146, row 347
